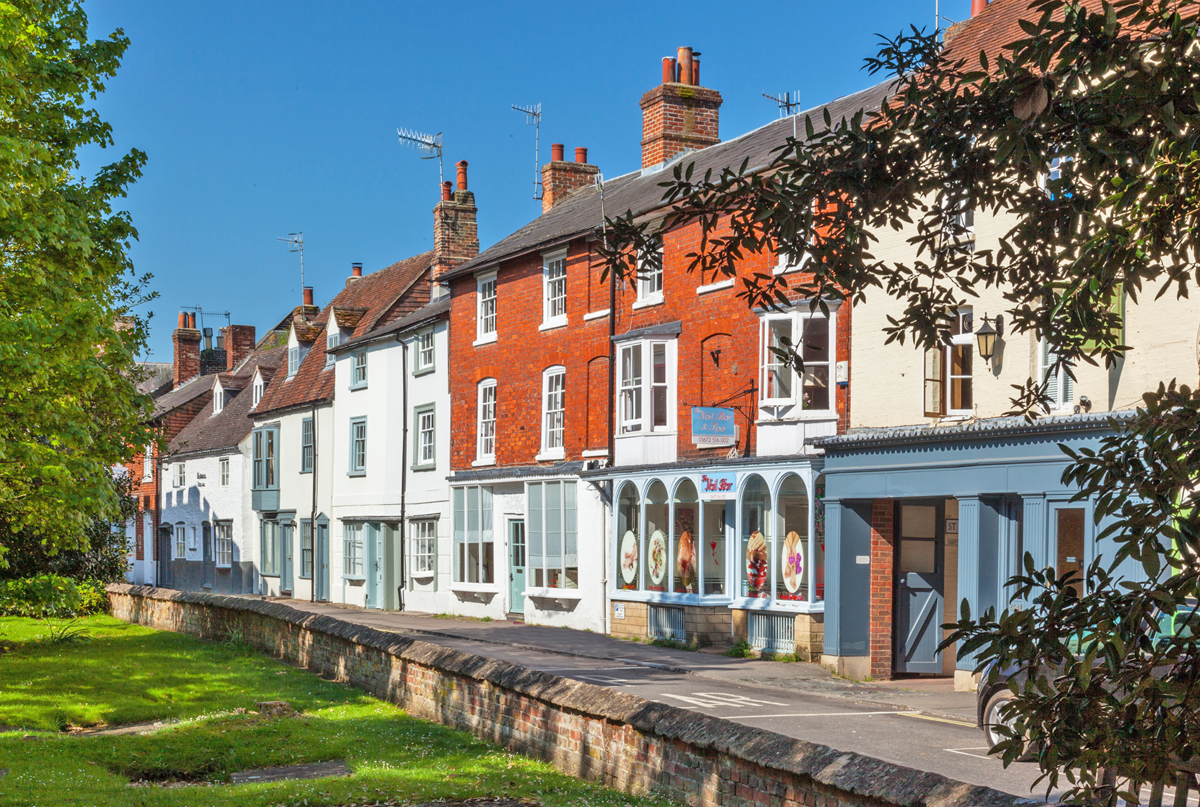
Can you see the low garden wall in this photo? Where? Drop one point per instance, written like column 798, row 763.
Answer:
column 628, row 743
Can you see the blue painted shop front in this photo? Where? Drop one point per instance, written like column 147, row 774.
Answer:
column 920, row 516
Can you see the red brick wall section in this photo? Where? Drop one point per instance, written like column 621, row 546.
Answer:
column 561, row 179
column 583, row 730
column 883, row 555
column 678, row 117
column 239, row 343
column 187, row 354
column 455, row 232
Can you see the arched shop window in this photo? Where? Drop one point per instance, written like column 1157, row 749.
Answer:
column 756, row 557
column 791, row 525
column 628, row 538
column 818, row 560
column 657, row 529
column 687, row 550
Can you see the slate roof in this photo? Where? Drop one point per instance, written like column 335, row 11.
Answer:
column 227, row 428
column 386, row 295
column 435, row 310
column 980, row 429
column 188, row 391
column 156, row 377
column 640, row 192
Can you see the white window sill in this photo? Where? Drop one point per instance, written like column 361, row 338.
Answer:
column 783, row 270
column 595, row 315
column 554, row 593
column 553, row 324
column 482, row 462
column 476, row 588
column 552, row 454
column 956, row 417
column 596, row 452
column 649, row 302
column 485, row 340
column 354, row 578
column 720, row 284
column 422, row 575
column 803, row 414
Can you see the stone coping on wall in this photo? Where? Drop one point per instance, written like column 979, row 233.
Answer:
column 862, row 779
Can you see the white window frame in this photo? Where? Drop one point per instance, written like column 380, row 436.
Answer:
column 1060, row 387
column 474, row 527
column 224, row 466
column 358, row 447
column 294, row 359
column 258, row 388
column 352, row 549
column 308, row 431
column 358, row 369
column 223, row 543
column 650, row 283
column 148, row 463
column 218, row 399
column 424, row 437
column 425, row 356
column 485, row 422
column 486, row 308
column 641, row 390
column 554, row 413
column 422, row 537
column 554, row 289
column 960, row 340
column 180, row 533
column 333, row 338
column 180, row 470
column 797, row 319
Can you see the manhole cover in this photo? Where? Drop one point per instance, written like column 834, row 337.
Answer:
column 314, row 770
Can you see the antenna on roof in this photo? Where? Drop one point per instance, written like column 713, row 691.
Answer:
column 295, row 243
column 533, row 117
column 430, row 144
column 787, row 106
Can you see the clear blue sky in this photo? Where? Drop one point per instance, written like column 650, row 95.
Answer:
column 263, row 118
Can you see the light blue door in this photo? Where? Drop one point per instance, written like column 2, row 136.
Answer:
column 516, row 577
column 285, row 557
column 373, row 568
column 321, row 574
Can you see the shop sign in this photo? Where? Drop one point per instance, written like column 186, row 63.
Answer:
column 713, row 426
column 718, row 486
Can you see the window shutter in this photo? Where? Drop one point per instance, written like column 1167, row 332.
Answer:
column 1049, row 377
column 935, row 385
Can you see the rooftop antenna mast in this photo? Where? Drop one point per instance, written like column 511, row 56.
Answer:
column 295, row 243
column 431, row 145
column 533, row 117
column 787, row 106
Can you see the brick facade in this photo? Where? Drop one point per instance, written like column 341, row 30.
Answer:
column 455, row 226
column 187, row 352
column 561, row 179
column 584, row 730
column 238, row 341
column 883, row 559
column 677, row 118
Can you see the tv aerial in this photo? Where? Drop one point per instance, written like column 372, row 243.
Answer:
column 430, row 145
column 788, row 103
column 533, row 117
column 295, row 243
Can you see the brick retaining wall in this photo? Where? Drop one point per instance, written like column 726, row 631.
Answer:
column 623, row 741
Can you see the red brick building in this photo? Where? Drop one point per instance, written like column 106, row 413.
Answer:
column 576, row 466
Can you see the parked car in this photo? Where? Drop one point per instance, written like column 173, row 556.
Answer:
column 991, row 696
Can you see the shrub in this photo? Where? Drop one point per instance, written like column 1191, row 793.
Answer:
column 93, row 597
column 740, row 650
column 46, row 595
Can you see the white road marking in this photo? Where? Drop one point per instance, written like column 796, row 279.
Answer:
column 967, row 752
column 715, row 699
column 963, row 723
column 813, row 714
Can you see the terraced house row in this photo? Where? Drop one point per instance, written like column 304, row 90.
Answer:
column 509, row 434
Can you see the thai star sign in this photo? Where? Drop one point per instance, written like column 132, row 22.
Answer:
column 718, row 486
column 713, row 426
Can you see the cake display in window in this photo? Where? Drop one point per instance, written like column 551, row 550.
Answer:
column 792, row 562
column 756, row 565
column 629, row 558
column 657, row 557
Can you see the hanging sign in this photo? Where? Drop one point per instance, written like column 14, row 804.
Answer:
column 718, row 486
column 713, row 426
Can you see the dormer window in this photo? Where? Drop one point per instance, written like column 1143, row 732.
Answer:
column 295, row 357
column 218, row 399
column 258, row 388
column 332, row 340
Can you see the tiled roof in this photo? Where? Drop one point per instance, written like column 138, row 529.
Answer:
column 386, row 295
column 439, row 309
column 980, row 429
column 188, row 391
column 995, row 27
column 155, row 377
column 227, row 428
column 640, row 192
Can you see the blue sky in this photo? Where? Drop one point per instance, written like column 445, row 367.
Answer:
column 263, row 118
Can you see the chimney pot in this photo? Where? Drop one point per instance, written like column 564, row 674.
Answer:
column 356, row 268
column 668, row 70
column 462, row 175
column 192, row 321
column 182, row 319
column 685, row 66
column 447, row 189
column 308, row 295
column 556, row 152
column 977, row 6
column 696, row 72
column 580, row 154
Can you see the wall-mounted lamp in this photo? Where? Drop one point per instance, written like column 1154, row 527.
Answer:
column 987, row 336
column 716, row 356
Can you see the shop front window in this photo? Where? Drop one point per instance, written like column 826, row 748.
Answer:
column 757, row 559
column 791, row 513
column 712, row 551
column 818, row 545
column 657, row 527
column 686, row 547
column 628, row 555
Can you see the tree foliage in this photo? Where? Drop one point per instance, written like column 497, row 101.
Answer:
column 1105, row 94
column 69, row 407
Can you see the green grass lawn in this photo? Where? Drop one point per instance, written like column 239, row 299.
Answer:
column 128, row 674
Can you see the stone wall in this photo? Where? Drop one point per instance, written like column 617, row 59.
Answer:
column 625, row 742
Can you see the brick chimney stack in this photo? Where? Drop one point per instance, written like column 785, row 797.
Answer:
column 187, row 348
column 562, row 179
column 455, row 230
column 238, row 341
column 679, row 115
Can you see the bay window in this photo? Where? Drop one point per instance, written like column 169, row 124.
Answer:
column 264, row 458
column 646, row 376
column 473, row 540
column 810, row 336
column 553, row 537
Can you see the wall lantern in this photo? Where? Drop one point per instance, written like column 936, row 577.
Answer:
column 987, row 335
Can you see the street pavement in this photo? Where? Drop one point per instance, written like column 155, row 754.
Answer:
column 920, row 724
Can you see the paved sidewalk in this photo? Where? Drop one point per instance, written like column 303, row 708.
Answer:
column 932, row 696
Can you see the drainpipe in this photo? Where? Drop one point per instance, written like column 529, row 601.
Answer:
column 612, row 422
column 159, row 566
column 312, row 520
column 403, row 463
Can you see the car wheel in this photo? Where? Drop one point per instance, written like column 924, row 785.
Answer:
column 992, row 718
